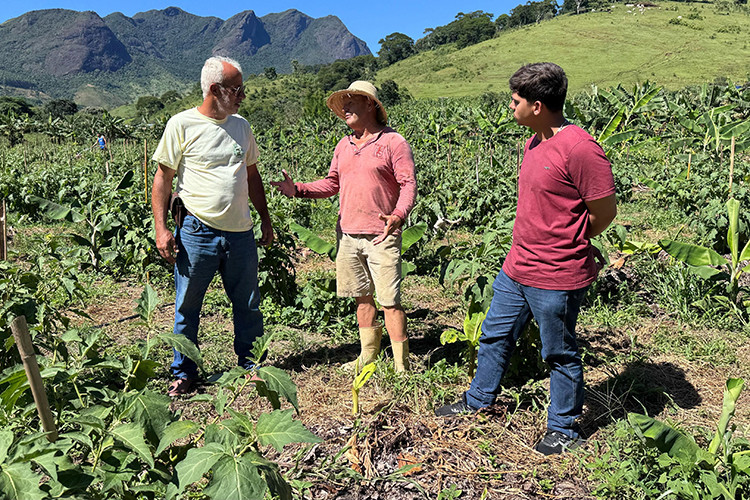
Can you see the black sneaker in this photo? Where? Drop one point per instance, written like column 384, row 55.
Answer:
column 457, row 408
column 555, row 442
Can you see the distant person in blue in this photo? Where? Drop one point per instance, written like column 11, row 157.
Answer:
column 101, row 142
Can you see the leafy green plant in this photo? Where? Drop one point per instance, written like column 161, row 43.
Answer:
column 707, row 263
column 104, row 212
column 360, row 379
column 470, row 335
column 721, row 471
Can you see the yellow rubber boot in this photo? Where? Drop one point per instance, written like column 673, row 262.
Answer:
column 369, row 339
column 401, row 356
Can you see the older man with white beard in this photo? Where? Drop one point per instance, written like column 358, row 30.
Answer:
column 212, row 152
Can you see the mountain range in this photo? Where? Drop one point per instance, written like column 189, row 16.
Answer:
column 58, row 53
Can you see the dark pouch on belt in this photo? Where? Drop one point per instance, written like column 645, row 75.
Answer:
column 178, row 209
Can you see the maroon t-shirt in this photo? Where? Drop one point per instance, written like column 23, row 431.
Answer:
column 551, row 249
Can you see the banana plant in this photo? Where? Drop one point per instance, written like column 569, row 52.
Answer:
column 470, row 335
column 716, row 472
column 627, row 105
column 360, row 379
column 707, row 263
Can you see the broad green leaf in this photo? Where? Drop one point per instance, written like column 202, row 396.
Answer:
column 412, row 235
column 242, row 421
column 126, row 181
column 151, row 410
column 261, row 345
column 6, row 439
column 614, row 122
column 278, row 429
column 473, row 326
column 147, row 303
column 732, row 392
column 197, row 462
column 236, row 479
column 663, row 437
column 741, row 461
column 362, row 377
column 229, row 434
column 183, row 345
column 449, row 336
column 17, row 482
column 736, row 129
column 704, row 272
column 81, row 438
column 407, row 268
column 48, row 462
column 220, row 401
column 313, row 241
column 131, row 435
column 651, row 183
column 692, row 254
column 145, row 370
column 56, row 211
column 278, row 381
column 74, row 479
column 620, row 137
column 733, row 237
column 645, row 99
column 745, row 254
column 275, row 480
column 174, row 431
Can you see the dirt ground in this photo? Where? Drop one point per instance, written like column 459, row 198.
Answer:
column 487, row 455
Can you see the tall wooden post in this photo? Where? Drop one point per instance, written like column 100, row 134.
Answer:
column 145, row 168
column 3, row 232
column 28, row 357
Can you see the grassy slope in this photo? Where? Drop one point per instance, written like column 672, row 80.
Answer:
column 603, row 48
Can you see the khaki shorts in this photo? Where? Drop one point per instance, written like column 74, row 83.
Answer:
column 364, row 269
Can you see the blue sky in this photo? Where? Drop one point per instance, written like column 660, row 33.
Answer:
column 370, row 21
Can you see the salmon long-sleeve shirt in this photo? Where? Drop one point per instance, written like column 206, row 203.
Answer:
column 378, row 178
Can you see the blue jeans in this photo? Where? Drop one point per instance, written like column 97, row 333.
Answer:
column 203, row 251
column 556, row 312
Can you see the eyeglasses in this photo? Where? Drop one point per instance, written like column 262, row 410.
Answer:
column 240, row 89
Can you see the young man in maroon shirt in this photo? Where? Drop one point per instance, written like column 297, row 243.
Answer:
column 373, row 172
column 566, row 197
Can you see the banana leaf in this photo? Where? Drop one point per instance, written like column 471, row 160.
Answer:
column 313, row 241
column 665, row 438
column 693, row 254
column 731, row 394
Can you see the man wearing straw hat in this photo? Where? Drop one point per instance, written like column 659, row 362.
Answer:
column 373, row 171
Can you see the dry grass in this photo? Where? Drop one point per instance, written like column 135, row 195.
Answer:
column 487, row 455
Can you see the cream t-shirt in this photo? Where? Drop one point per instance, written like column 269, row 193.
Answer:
column 211, row 158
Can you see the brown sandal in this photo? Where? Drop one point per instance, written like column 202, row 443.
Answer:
column 180, row 386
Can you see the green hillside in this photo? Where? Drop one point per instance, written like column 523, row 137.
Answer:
column 673, row 44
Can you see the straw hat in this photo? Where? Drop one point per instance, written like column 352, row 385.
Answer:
column 336, row 100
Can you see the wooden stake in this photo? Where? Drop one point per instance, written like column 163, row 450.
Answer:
column 731, row 165
column 28, row 357
column 3, row 232
column 145, row 168
column 690, row 159
column 476, row 169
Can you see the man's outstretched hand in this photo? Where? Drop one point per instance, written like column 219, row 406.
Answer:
column 285, row 187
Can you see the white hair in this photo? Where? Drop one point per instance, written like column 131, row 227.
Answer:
column 213, row 72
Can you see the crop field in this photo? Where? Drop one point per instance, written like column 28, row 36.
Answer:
column 664, row 331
